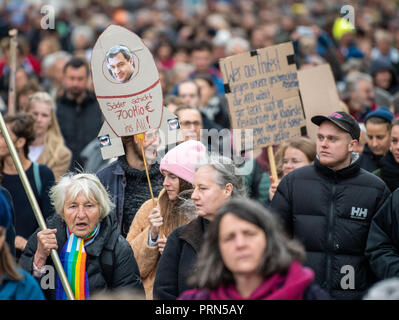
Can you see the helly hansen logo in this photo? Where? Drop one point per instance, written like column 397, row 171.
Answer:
column 359, row 213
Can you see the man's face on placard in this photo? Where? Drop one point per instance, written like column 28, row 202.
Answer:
column 120, row 67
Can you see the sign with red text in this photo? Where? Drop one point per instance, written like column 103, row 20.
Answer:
column 126, row 82
column 261, row 87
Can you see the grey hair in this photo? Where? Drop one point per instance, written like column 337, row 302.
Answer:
column 211, row 272
column 387, row 289
column 86, row 31
column 225, row 173
column 70, row 185
column 238, row 41
column 353, row 79
column 51, row 59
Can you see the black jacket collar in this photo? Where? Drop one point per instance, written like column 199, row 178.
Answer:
column 344, row 173
column 193, row 232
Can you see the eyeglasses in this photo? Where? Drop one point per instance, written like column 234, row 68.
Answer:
column 189, row 123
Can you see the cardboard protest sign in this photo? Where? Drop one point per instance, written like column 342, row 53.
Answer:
column 319, row 94
column 126, row 82
column 110, row 144
column 128, row 90
column 169, row 131
column 262, row 91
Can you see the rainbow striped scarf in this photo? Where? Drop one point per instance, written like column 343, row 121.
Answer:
column 73, row 259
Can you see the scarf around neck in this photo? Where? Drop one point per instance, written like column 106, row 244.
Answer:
column 73, row 259
column 289, row 286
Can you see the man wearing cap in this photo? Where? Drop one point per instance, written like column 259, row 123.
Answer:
column 328, row 206
column 378, row 127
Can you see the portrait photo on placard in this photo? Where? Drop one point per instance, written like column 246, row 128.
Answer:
column 121, row 64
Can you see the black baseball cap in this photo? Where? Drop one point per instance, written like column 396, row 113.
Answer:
column 343, row 120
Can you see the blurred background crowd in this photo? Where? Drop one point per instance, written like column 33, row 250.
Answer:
column 172, row 28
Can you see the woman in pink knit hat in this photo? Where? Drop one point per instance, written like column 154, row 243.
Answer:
column 151, row 226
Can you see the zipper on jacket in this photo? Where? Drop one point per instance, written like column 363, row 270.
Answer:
column 330, row 244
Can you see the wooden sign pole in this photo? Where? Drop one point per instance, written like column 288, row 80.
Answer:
column 13, row 67
column 272, row 163
column 141, row 137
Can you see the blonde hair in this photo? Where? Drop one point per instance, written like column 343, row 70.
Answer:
column 70, row 185
column 54, row 131
column 54, row 141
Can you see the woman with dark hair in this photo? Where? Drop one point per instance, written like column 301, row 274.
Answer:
column 212, row 104
column 245, row 255
column 15, row 283
column 152, row 225
column 41, row 178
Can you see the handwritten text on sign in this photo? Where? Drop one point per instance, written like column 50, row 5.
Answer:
column 263, row 94
column 135, row 110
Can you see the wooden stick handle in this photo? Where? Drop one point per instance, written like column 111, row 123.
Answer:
column 141, row 138
column 13, row 67
column 272, row 163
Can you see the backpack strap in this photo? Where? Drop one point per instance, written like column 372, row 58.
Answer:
column 36, row 176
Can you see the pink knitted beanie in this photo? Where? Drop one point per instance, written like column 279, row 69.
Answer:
column 183, row 159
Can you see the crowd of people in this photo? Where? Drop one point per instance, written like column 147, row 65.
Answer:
column 211, row 225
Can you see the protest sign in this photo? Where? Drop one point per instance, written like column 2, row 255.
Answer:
column 128, row 90
column 319, row 94
column 110, row 144
column 262, row 91
column 126, row 82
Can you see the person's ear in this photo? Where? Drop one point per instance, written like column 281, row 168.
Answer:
column 228, row 190
column 20, row 142
column 353, row 144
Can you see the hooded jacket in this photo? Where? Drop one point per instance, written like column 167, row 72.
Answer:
column 330, row 213
column 380, row 65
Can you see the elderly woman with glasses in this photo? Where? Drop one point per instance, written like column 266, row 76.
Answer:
column 93, row 253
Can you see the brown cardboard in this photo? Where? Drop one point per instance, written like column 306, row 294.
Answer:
column 319, row 94
column 169, row 131
column 113, row 146
column 262, row 91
